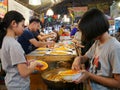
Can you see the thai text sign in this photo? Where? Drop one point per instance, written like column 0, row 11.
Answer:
column 78, row 11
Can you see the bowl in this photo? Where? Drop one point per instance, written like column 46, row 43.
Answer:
column 70, row 75
column 56, row 84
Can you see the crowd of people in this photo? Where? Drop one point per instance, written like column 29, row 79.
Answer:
column 31, row 38
column 100, row 50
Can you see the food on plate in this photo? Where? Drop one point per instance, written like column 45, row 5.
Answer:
column 65, row 76
column 70, row 75
column 43, row 49
column 68, row 72
column 61, row 48
column 43, row 65
column 71, row 46
column 59, row 53
column 54, row 77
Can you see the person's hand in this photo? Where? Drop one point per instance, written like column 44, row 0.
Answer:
column 74, row 41
column 83, row 77
column 76, row 64
column 51, row 36
column 29, row 61
column 79, row 45
column 51, row 33
column 33, row 64
column 50, row 44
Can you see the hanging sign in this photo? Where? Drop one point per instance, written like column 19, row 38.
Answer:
column 3, row 7
column 77, row 11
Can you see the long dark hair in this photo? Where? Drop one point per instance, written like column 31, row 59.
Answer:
column 5, row 23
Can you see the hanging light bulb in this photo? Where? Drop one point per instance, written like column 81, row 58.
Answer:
column 35, row 2
column 58, row 16
column 49, row 12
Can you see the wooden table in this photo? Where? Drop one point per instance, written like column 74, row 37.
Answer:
column 48, row 57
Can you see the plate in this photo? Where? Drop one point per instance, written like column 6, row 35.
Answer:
column 41, row 52
column 63, row 48
column 45, row 65
column 70, row 75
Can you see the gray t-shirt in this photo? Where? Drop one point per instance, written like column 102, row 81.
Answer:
column 105, row 61
column 11, row 55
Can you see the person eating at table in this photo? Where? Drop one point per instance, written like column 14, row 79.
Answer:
column 28, row 40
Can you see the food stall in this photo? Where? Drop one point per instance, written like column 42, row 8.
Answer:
column 59, row 57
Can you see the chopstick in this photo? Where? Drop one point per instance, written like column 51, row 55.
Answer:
column 77, row 50
column 79, row 54
column 87, row 83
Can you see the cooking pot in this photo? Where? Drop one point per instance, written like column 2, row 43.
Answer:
column 56, row 84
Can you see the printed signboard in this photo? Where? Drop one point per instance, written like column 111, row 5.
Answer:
column 3, row 7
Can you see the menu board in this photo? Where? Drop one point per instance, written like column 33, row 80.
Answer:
column 3, row 7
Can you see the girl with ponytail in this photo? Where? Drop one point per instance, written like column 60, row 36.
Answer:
column 12, row 54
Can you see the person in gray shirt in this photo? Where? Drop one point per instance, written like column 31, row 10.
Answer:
column 12, row 54
column 104, row 55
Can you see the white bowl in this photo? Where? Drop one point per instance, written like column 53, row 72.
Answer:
column 70, row 77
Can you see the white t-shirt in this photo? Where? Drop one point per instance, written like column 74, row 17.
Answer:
column 11, row 55
column 105, row 61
